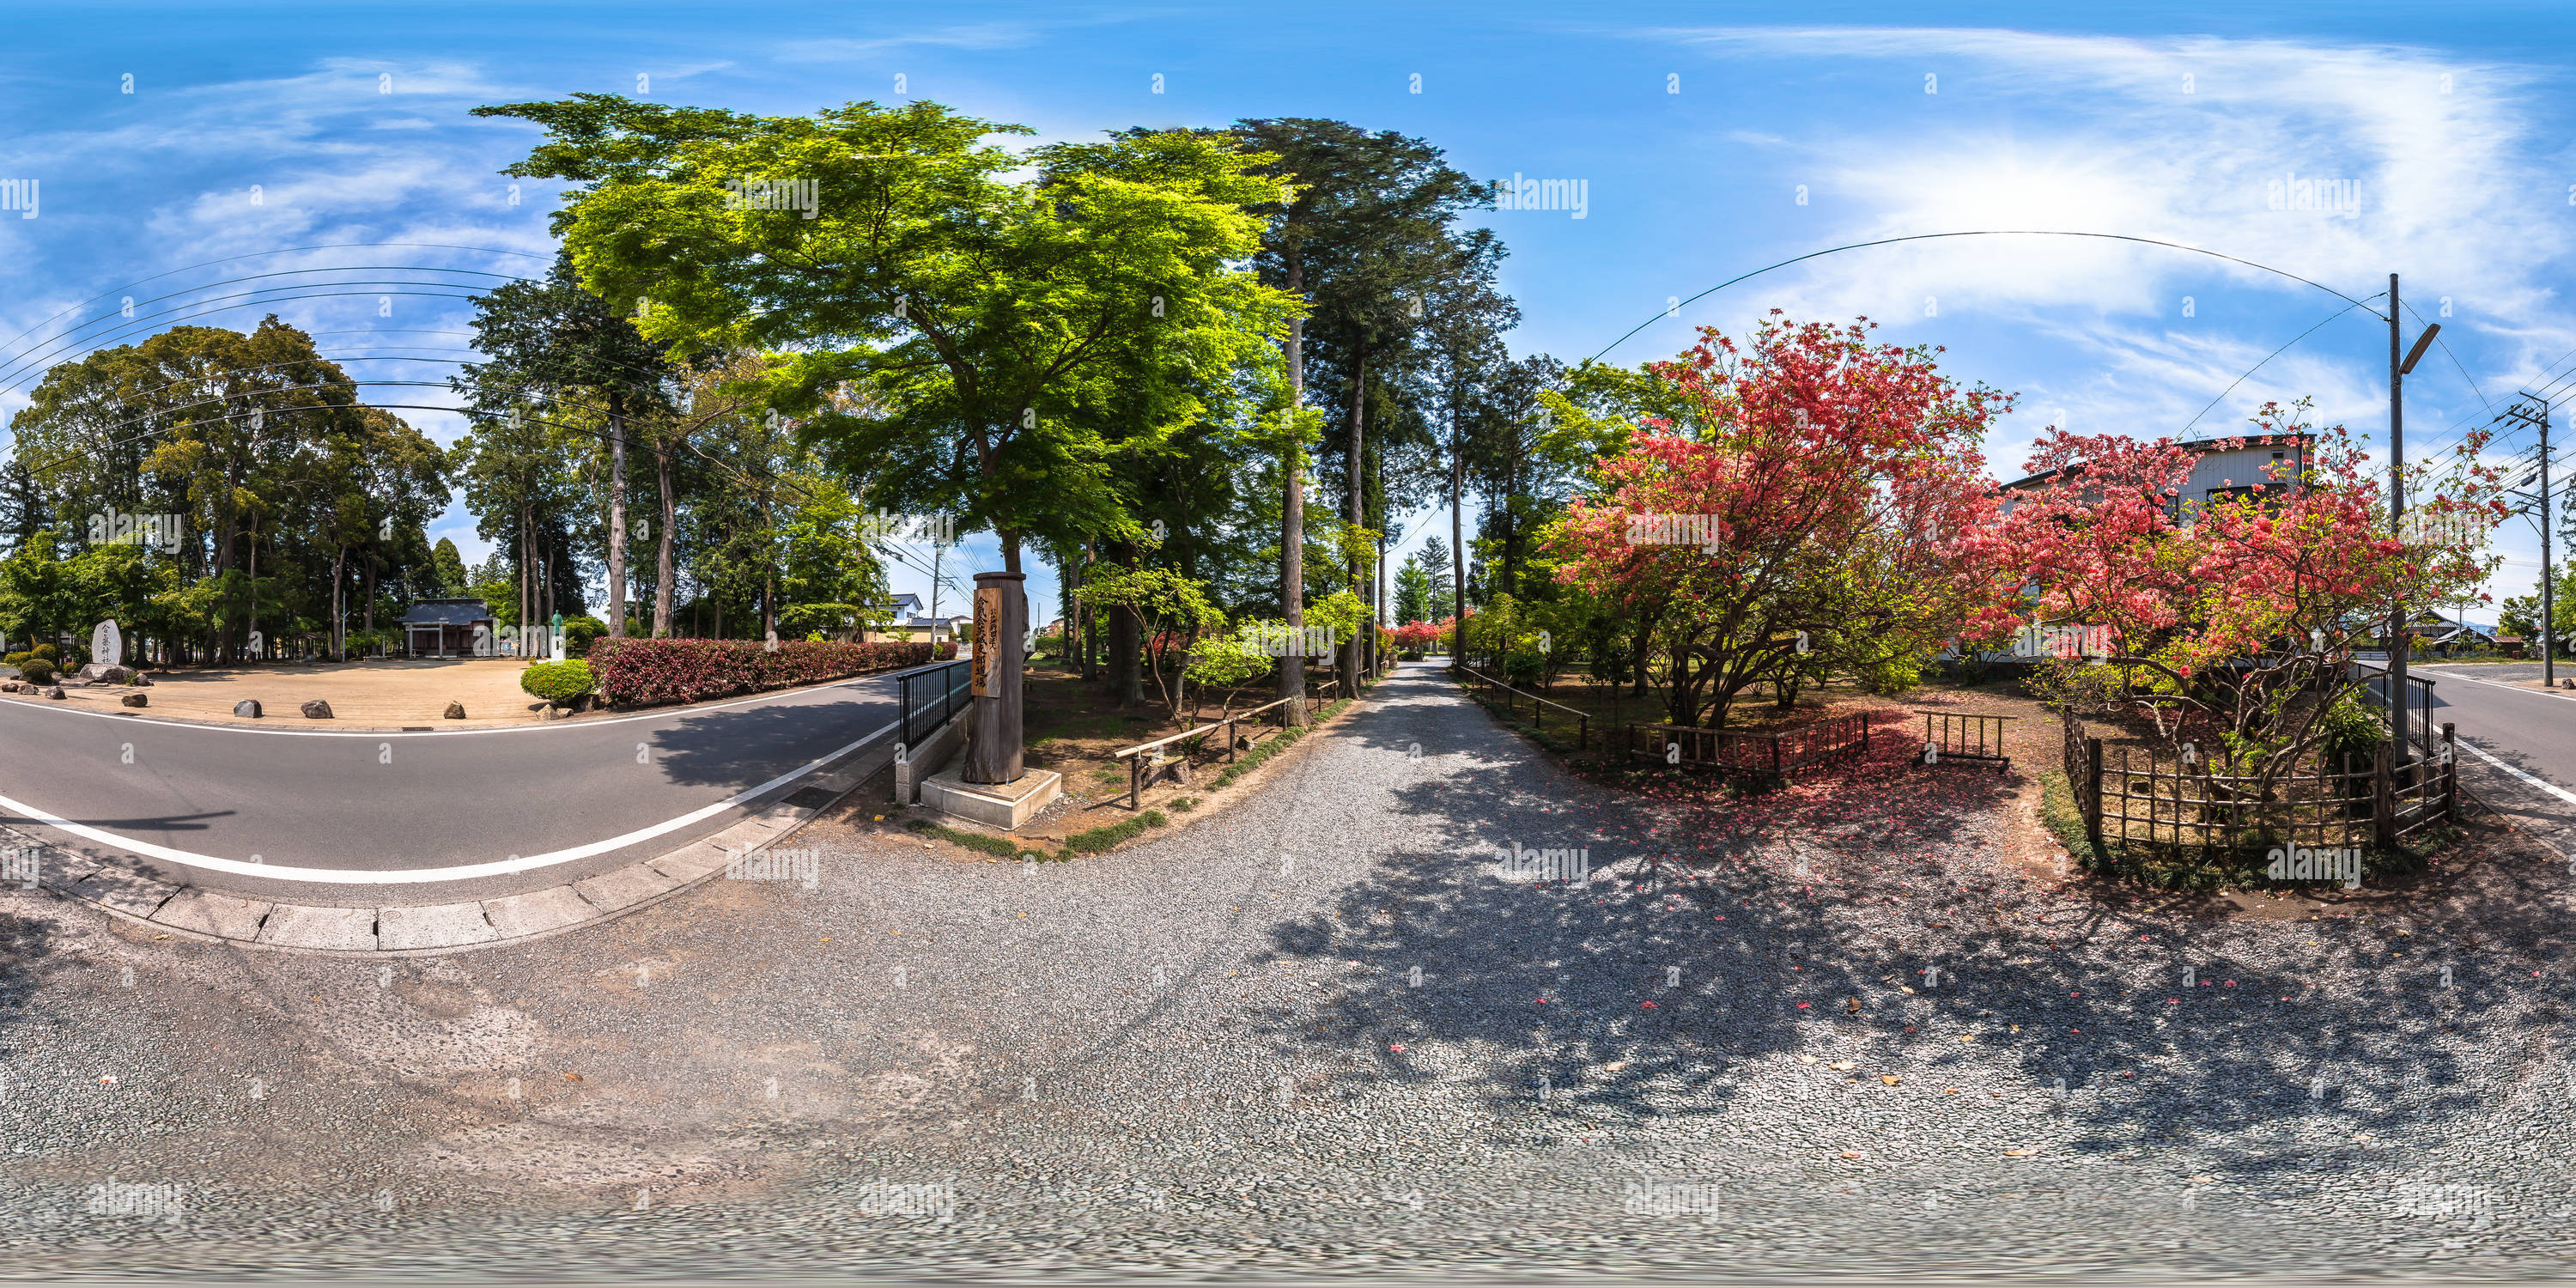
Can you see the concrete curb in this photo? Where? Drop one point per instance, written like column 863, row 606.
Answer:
column 316, row 930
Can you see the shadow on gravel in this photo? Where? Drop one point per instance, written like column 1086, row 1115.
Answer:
column 1714, row 932
column 26, row 957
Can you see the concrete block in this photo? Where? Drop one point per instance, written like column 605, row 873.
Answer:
column 929, row 758
column 537, row 911
column 207, row 913
column 691, row 862
column 1002, row 805
column 441, row 925
column 124, row 891
column 293, row 925
column 623, row 888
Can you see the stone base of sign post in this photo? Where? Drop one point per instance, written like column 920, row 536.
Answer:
column 1002, row 805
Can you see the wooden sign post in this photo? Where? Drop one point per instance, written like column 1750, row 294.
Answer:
column 994, row 729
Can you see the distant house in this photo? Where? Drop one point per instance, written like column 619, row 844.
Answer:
column 2218, row 471
column 445, row 627
column 906, row 622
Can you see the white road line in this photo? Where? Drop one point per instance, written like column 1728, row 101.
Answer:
column 2551, row 788
column 672, row 714
column 414, row 876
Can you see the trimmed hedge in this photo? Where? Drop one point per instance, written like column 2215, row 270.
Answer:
column 557, row 682
column 648, row 672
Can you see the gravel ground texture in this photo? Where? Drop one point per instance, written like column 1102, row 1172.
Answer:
column 1326, row 1032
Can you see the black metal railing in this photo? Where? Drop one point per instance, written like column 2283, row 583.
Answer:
column 948, row 682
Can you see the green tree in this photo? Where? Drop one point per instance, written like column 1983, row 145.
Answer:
column 967, row 308
column 552, row 336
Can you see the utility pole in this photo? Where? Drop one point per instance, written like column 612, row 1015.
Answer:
column 2398, row 644
column 2533, row 410
column 2397, row 641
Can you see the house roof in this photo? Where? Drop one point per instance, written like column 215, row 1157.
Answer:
column 448, row 612
column 2198, row 446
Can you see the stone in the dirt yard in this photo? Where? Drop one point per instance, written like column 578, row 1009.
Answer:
column 54, row 692
column 141, row 681
column 247, row 708
column 136, row 700
column 105, row 673
column 455, row 710
column 550, row 712
column 317, row 709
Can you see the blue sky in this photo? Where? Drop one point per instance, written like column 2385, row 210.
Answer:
column 1695, row 130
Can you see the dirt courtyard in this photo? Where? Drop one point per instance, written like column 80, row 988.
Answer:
column 385, row 693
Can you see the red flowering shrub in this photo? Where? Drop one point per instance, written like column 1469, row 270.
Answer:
column 649, row 672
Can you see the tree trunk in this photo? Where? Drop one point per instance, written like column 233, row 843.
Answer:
column 663, row 575
column 1010, row 538
column 1091, row 625
column 1292, row 512
column 616, row 513
column 339, row 578
column 1358, row 515
column 1126, row 647
column 1457, row 542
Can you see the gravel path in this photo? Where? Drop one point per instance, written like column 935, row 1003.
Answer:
column 1210, row 1053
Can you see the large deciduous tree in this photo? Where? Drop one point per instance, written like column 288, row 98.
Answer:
column 1833, row 485
column 2240, row 612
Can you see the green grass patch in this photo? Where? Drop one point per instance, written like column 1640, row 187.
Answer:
column 1184, row 804
column 1101, row 838
column 976, row 841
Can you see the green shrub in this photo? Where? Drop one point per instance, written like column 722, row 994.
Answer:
column 579, row 632
column 47, row 652
column 558, row 682
column 36, row 670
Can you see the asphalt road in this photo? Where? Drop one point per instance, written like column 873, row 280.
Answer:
column 508, row 809
column 2528, row 741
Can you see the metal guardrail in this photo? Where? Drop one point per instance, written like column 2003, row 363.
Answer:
column 951, row 679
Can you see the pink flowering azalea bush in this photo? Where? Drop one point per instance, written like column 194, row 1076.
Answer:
column 2233, row 619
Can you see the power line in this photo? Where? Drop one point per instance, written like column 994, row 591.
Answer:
column 1991, row 232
